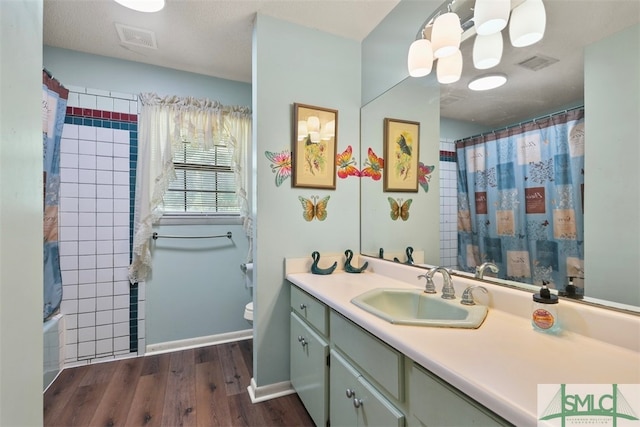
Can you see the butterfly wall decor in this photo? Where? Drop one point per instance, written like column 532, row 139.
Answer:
column 346, row 164
column 424, row 175
column 372, row 166
column 314, row 208
column 399, row 209
column 280, row 165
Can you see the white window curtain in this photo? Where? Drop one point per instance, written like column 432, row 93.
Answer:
column 164, row 123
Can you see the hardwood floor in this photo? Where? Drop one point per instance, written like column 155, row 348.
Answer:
column 199, row 387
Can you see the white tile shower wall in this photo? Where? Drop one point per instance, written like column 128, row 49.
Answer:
column 448, row 209
column 94, row 231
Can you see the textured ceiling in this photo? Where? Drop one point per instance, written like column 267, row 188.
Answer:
column 571, row 25
column 210, row 37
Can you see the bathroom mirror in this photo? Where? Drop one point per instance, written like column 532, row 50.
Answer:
column 452, row 112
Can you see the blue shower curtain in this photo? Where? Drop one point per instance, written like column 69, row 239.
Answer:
column 54, row 105
column 520, row 200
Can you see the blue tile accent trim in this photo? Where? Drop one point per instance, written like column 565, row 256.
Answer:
column 448, row 156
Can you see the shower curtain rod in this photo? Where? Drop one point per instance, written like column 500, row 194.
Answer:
column 156, row 236
column 546, row 116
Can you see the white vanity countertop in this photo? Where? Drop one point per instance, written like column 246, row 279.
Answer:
column 500, row 364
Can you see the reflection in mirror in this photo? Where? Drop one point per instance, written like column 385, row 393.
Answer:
column 595, row 52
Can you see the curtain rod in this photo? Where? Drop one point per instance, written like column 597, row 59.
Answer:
column 546, row 116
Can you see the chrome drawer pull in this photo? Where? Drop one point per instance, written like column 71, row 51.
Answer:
column 303, row 306
column 350, row 393
column 357, row 403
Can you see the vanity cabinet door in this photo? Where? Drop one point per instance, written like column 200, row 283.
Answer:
column 309, row 370
column 343, row 387
column 355, row 402
column 432, row 402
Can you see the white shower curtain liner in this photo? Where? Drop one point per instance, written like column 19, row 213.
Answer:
column 164, row 123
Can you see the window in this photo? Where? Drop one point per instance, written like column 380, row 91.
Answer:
column 204, row 183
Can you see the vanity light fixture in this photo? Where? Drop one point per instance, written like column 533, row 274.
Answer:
column 528, row 22
column 314, row 131
column 142, row 5
column 487, row 19
column 491, row 16
column 446, row 35
column 420, row 58
column 488, row 81
column 450, row 68
column 487, row 50
column 303, row 131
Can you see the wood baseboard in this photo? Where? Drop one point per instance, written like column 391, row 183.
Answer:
column 270, row 391
column 186, row 344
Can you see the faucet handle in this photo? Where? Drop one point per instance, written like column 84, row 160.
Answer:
column 467, row 295
column 448, row 291
column 430, row 287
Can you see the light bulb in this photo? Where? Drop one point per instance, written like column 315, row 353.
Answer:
column 446, row 35
column 420, row 59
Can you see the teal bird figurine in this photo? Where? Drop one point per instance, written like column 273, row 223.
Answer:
column 409, row 252
column 317, row 270
column 347, row 264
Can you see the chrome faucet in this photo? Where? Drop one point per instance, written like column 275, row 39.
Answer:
column 448, row 292
column 480, row 270
column 429, row 288
column 467, row 296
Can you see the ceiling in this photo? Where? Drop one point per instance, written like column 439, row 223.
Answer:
column 210, row 37
column 213, row 37
column 571, row 25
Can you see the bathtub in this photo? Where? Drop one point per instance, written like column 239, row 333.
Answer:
column 53, row 346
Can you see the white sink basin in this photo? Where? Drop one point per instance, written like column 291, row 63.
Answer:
column 414, row 307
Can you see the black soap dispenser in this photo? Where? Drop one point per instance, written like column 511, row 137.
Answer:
column 544, row 312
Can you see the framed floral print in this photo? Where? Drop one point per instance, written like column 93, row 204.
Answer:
column 315, row 135
column 401, row 145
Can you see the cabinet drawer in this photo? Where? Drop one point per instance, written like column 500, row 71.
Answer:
column 310, row 309
column 378, row 360
column 433, row 402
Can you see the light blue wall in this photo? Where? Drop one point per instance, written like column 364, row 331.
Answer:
column 21, row 213
column 197, row 288
column 612, row 193
column 99, row 72
column 453, row 130
column 296, row 64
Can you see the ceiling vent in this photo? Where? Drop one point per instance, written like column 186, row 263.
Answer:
column 537, row 62
column 448, row 99
column 136, row 36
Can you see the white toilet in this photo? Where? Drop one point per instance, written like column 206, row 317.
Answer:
column 248, row 282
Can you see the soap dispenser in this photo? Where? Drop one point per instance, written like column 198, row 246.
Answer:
column 544, row 313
